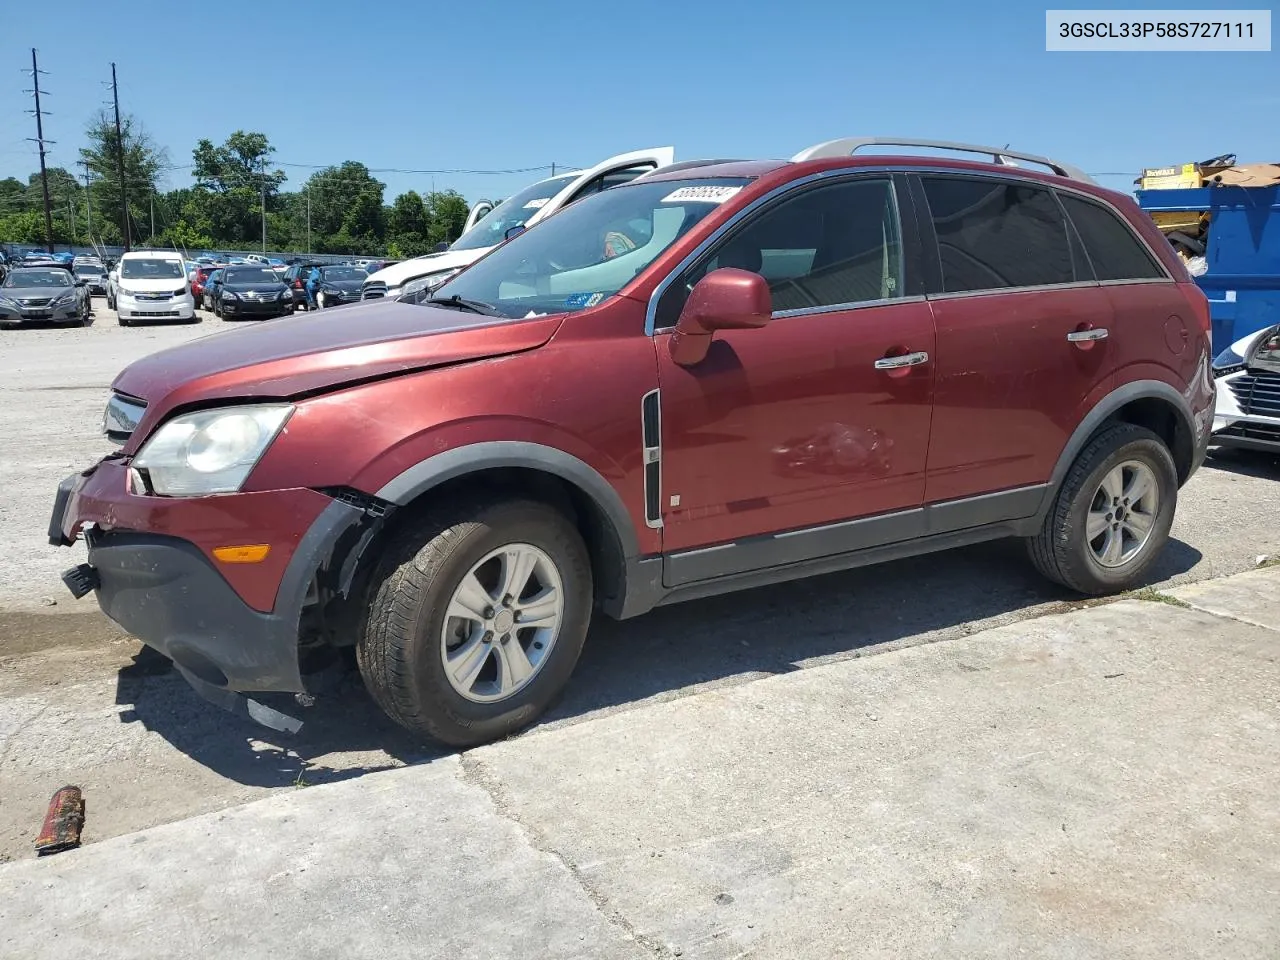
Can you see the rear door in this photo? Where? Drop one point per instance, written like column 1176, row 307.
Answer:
column 1016, row 309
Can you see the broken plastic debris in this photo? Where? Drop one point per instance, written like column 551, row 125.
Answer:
column 62, row 823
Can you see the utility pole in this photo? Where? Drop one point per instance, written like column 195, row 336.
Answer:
column 40, row 141
column 124, row 193
column 553, row 168
column 264, row 216
column 153, row 215
column 308, row 193
column 88, row 203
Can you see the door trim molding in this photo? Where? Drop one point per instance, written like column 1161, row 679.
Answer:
column 759, row 555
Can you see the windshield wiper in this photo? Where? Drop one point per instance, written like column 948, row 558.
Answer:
column 460, row 303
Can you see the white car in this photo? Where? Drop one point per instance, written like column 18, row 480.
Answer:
column 1247, row 375
column 151, row 285
column 490, row 227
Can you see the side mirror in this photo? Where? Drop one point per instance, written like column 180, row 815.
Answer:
column 513, row 232
column 440, row 247
column 725, row 299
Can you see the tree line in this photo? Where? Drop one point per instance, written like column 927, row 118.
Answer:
column 340, row 209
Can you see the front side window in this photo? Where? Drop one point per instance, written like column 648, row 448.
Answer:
column 1115, row 252
column 515, row 211
column 146, row 269
column 826, row 246
column 995, row 234
column 588, row 251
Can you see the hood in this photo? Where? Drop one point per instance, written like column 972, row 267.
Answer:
column 257, row 286
column 401, row 273
column 35, row 293
column 347, row 286
column 320, row 351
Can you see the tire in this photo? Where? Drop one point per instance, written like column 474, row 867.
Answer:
column 1063, row 552
column 401, row 644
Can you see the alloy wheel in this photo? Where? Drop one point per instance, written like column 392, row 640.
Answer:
column 501, row 623
column 1123, row 513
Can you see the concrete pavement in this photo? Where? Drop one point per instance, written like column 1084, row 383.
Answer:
column 1097, row 784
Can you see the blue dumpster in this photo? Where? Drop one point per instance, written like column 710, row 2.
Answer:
column 1242, row 254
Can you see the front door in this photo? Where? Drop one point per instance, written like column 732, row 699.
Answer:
column 784, row 433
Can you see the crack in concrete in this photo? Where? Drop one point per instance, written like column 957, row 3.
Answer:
column 1228, row 616
column 475, row 774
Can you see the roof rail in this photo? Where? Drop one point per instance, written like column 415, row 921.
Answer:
column 683, row 165
column 850, row 145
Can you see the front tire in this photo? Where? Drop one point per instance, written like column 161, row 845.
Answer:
column 447, row 592
column 1112, row 515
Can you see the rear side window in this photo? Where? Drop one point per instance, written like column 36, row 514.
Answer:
column 1116, row 253
column 994, row 234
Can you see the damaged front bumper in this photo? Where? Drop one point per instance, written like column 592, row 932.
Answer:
column 160, row 582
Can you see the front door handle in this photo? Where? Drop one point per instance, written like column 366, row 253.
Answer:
column 906, row 360
column 1086, row 336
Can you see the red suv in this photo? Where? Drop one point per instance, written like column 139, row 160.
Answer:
column 718, row 376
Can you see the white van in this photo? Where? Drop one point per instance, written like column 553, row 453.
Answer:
column 490, row 227
column 152, row 285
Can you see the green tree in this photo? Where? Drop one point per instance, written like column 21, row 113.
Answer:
column 447, row 212
column 143, row 161
column 236, row 174
column 347, row 215
column 408, row 227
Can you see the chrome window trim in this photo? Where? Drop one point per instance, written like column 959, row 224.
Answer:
column 841, row 307
column 842, row 173
column 1032, row 288
column 1128, row 283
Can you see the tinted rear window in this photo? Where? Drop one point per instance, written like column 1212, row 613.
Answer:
column 1116, row 253
column 994, row 234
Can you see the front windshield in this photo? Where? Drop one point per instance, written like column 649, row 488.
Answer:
column 38, row 278
column 512, row 212
column 151, row 269
column 590, row 250
column 339, row 274
column 89, row 269
column 251, row 275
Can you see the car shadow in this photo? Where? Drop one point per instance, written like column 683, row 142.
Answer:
column 662, row 655
column 1245, row 463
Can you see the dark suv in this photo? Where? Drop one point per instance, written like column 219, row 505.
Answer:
column 718, row 376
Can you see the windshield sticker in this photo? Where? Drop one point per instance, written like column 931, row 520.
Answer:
column 584, row 299
column 701, row 195
column 537, row 204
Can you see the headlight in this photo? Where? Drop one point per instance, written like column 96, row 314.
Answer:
column 229, row 295
column 65, row 298
column 8, row 302
column 286, row 294
column 126, row 292
column 426, row 284
column 211, row 451
column 179, row 293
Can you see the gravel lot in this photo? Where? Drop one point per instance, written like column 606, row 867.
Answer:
column 80, row 703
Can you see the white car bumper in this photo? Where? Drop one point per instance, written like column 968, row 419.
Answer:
column 143, row 307
column 1247, row 411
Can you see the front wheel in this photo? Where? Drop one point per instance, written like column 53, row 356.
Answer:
column 1112, row 514
column 475, row 619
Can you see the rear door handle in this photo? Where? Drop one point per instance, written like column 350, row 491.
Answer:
column 1084, row 336
column 906, row 360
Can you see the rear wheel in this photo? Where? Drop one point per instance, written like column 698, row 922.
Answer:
column 1112, row 514
column 475, row 619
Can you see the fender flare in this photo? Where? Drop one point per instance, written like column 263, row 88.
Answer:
column 435, row 470
column 1105, row 408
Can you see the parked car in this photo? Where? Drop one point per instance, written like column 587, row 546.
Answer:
column 339, row 285
column 295, row 277
column 252, row 290
column 94, row 276
column 529, row 206
column 198, row 280
column 1247, row 373
column 151, row 285
column 209, row 289
column 710, row 379
column 42, row 294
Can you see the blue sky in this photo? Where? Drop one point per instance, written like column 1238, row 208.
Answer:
column 510, row 84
